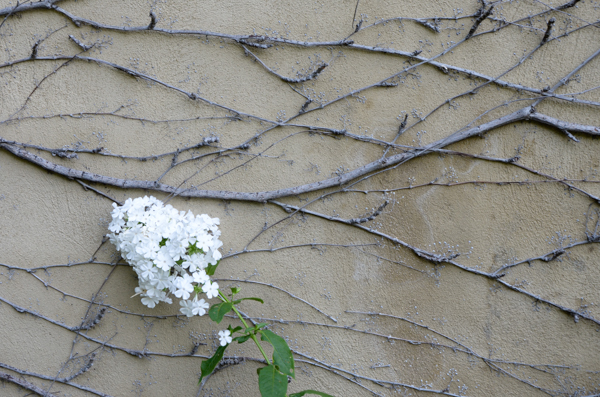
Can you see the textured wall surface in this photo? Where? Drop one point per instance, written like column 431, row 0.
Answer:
column 412, row 187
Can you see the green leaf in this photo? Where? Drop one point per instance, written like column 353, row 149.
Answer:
column 271, row 382
column 233, row 330
column 254, row 329
column 192, row 249
column 282, row 355
column 242, row 339
column 210, row 269
column 251, row 299
column 209, row 365
column 302, row 393
column 218, row 311
column 234, row 290
column 163, row 242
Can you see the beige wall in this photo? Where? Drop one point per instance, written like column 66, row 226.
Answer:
column 445, row 322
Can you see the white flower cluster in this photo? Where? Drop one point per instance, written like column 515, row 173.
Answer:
column 169, row 250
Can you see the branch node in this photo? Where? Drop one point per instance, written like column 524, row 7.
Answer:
column 403, row 125
column 548, row 31
column 358, row 25
column 87, row 325
column 229, row 361
column 429, row 25
column 482, row 16
column 568, row 5
column 83, row 369
column 386, row 84
column 355, row 221
column 34, row 49
column 210, row 139
column 569, row 135
column 152, row 20
column 79, row 43
column 256, row 41
column 64, row 154
column 175, row 156
column 435, row 258
column 552, row 256
column 303, row 108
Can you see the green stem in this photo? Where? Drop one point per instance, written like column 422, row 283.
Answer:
column 224, row 298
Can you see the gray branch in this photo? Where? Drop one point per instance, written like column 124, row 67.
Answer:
column 31, row 387
column 525, row 114
column 304, row 79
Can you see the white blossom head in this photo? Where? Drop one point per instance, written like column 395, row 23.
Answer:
column 169, row 250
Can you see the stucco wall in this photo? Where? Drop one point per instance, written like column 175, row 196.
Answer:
column 384, row 306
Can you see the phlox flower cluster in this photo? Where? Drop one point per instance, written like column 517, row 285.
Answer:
column 169, row 250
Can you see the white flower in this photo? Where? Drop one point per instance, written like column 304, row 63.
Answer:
column 199, row 306
column 163, row 260
column 184, row 285
column 147, row 270
column 196, row 261
column 150, row 301
column 156, row 240
column 201, row 277
column 161, row 280
column 224, row 337
column 186, row 308
column 154, row 292
column 116, row 225
column 211, row 289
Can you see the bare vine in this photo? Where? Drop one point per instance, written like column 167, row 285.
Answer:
column 346, row 204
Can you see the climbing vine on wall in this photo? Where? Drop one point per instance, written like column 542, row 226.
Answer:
column 413, row 186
